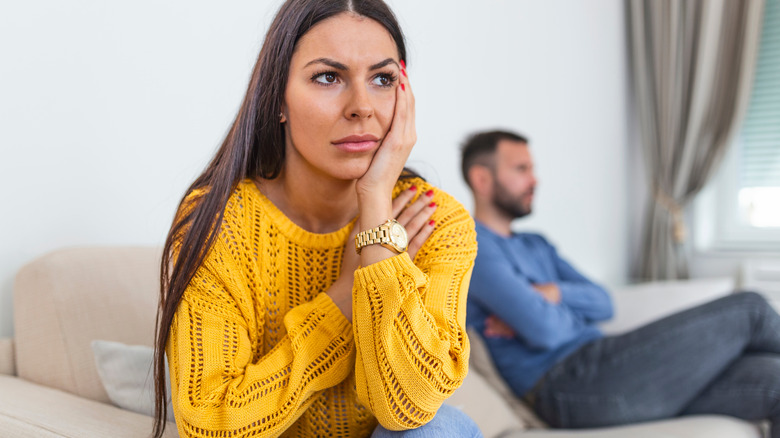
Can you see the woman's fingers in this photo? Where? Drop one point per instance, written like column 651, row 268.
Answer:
column 412, row 210
column 402, row 200
column 419, row 239
column 416, row 218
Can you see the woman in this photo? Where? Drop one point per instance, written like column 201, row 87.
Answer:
column 290, row 302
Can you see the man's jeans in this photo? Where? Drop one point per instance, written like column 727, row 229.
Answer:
column 722, row 357
column 449, row 422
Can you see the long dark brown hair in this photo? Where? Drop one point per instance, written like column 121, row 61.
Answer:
column 254, row 146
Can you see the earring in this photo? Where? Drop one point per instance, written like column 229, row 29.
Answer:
column 281, row 118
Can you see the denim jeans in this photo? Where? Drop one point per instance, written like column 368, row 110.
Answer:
column 722, row 357
column 448, row 422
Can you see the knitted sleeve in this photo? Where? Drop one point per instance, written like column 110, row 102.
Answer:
column 223, row 384
column 409, row 322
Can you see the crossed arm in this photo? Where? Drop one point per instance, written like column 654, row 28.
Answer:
column 544, row 315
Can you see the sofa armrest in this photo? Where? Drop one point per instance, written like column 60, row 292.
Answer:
column 29, row 409
column 637, row 305
column 7, row 360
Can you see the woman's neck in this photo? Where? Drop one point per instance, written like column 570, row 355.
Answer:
column 315, row 203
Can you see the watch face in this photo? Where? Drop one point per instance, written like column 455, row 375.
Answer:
column 398, row 235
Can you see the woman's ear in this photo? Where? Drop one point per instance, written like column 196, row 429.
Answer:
column 283, row 114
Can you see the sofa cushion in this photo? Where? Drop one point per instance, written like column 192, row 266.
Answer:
column 31, row 410
column 639, row 304
column 66, row 299
column 127, row 375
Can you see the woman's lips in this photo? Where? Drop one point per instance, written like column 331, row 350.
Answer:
column 357, row 143
column 357, row 146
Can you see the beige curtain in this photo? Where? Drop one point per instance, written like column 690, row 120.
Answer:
column 693, row 64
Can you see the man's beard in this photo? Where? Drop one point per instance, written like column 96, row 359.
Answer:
column 511, row 207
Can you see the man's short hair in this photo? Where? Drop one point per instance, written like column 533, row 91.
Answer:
column 480, row 147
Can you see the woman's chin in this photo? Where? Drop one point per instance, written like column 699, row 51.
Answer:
column 354, row 175
column 353, row 171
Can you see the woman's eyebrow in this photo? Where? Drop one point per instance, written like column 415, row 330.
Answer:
column 381, row 64
column 329, row 62
column 339, row 66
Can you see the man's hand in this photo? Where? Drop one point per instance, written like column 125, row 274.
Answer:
column 549, row 291
column 496, row 328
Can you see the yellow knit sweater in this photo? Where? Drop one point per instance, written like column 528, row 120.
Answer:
column 258, row 349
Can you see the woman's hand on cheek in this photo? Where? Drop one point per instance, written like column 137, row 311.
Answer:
column 375, row 187
column 390, row 158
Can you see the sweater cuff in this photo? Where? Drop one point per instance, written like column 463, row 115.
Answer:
column 389, row 268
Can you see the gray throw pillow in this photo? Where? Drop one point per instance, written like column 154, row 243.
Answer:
column 126, row 374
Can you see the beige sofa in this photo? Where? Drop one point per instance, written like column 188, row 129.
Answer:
column 62, row 302
column 499, row 414
column 52, row 385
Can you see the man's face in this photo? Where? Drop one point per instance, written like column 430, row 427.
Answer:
column 513, row 180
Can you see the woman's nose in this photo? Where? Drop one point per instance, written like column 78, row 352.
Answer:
column 359, row 106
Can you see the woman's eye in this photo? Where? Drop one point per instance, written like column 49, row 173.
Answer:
column 326, row 78
column 384, row 80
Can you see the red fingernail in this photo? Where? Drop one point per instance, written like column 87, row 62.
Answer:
column 403, row 64
column 432, row 222
column 429, row 193
column 432, row 204
column 402, row 87
column 413, row 188
column 403, row 72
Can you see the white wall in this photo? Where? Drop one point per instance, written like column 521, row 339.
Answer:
column 109, row 109
column 557, row 72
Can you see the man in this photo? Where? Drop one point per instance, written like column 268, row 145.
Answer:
column 538, row 316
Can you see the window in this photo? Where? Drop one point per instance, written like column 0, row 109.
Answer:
column 744, row 198
column 759, row 171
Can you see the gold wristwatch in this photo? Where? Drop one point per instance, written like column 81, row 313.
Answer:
column 390, row 234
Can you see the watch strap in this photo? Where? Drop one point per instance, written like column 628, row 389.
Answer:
column 380, row 234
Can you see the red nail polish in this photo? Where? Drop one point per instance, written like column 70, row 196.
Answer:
column 432, row 204
column 413, row 188
column 402, row 87
column 432, row 222
column 403, row 64
column 403, row 72
column 429, row 193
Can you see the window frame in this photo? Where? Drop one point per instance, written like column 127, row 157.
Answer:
column 716, row 214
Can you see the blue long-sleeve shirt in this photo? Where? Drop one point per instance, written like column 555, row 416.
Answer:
column 505, row 270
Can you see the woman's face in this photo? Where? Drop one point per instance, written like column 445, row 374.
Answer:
column 340, row 96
